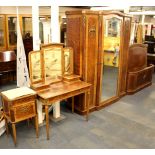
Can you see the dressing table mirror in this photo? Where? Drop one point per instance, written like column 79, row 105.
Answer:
column 67, row 61
column 35, row 67
column 111, row 55
column 52, row 64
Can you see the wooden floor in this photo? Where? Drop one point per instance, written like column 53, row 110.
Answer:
column 128, row 123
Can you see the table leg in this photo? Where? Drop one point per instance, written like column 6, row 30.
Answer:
column 6, row 125
column 73, row 104
column 47, row 121
column 14, row 132
column 36, row 125
column 87, row 104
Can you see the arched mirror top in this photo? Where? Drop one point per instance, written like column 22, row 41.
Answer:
column 112, row 32
column 112, row 26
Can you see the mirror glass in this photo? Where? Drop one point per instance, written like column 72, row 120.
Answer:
column 110, row 70
column 35, row 66
column 68, row 61
column 52, row 58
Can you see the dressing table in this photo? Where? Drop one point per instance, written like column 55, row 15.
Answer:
column 51, row 75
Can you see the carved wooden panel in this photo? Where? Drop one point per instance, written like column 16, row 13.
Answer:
column 91, row 56
column 139, row 79
column 126, row 40
column 73, row 40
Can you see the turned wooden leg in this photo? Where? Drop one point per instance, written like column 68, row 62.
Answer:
column 36, row 125
column 73, row 104
column 14, row 133
column 6, row 125
column 87, row 104
column 47, row 121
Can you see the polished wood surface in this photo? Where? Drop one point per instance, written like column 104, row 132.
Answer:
column 85, row 35
column 61, row 91
column 7, row 66
column 139, row 74
column 82, row 36
column 19, row 109
column 137, row 58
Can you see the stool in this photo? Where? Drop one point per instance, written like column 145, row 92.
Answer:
column 19, row 104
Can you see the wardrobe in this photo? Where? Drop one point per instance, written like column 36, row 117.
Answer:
column 100, row 41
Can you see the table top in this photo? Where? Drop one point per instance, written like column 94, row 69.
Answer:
column 15, row 93
column 62, row 88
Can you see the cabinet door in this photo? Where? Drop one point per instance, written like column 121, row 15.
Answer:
column 2, row 33
column 11, row 22
column 26, row 26
column 110, row 57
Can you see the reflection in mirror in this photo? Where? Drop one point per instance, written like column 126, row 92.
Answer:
column 112, row 27
column 68, row 61
column 52, row 58
column 35, row 66
column 110, row 68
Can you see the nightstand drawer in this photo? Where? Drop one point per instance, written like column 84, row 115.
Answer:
column 23, row 111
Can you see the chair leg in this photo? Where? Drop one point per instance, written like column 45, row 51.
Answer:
column 36, row 126
column 14, row 133
column 6, row 125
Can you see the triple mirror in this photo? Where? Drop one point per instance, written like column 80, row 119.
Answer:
column 50, row 64
column 111, row 54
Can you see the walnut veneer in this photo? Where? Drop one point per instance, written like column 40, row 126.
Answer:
column 19, row 108
column 85, row 31
column 139, row 74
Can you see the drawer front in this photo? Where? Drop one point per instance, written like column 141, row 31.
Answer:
column 23, row 100
column 23, row 111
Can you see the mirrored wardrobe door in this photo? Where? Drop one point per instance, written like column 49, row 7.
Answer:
column 111, row 57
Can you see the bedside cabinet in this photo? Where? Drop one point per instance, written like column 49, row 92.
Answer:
column 19, row 104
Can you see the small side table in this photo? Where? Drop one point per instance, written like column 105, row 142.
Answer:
column 19, row 104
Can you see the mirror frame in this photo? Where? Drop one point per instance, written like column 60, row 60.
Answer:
column 70, row 50
column 31, row 70
column 51, row 49
column 113, row 97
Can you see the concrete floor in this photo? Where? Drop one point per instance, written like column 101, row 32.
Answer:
column 128, row 123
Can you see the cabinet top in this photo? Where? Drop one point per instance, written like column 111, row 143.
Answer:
column 79, row 12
